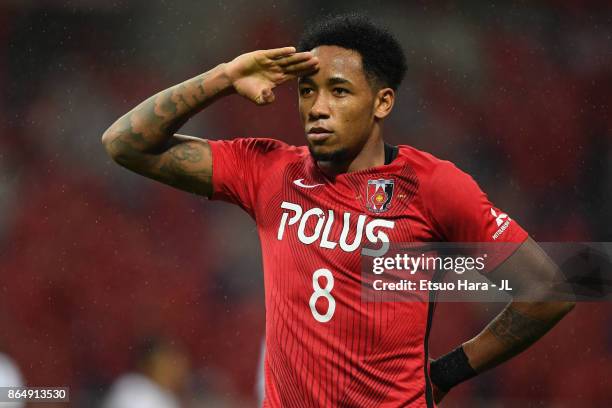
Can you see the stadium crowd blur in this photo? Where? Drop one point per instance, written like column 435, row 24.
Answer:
column 95, row 259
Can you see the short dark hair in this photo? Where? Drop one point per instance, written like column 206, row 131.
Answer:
column 382, row 56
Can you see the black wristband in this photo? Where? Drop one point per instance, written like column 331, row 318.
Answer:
column 451, row 369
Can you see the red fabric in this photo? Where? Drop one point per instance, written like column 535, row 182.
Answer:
column 366, row 353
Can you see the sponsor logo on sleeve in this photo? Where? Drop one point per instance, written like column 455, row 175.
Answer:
column 502, row 220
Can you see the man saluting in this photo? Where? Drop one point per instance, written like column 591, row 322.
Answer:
column 319, row 208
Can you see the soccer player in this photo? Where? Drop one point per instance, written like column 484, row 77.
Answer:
column 319, row 208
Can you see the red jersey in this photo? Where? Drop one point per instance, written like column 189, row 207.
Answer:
column 325, row 346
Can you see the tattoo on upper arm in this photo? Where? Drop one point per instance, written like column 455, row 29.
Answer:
column 147, row 127
column 515, row 329
column 143, row 139
column 186, row 152
column 186, row 166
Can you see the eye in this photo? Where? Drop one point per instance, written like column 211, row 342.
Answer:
column 305, row 91
column 340, row 91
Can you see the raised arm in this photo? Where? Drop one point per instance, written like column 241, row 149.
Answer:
column 144, row 140
column 532, row 275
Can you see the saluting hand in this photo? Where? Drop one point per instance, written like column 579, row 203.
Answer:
column 256, row 73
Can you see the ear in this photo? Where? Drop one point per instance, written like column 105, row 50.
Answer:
column 383, row 102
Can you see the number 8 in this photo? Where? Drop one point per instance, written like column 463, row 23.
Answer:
column 322, row 292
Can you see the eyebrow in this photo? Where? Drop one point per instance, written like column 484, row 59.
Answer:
column 338, row 80
column 331, row 81
column 305, row 80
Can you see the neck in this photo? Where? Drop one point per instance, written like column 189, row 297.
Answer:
column 372, row 154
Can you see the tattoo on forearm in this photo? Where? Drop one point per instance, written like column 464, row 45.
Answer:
column 517, row 330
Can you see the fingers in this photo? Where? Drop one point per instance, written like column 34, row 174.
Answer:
column 292, row 63
column 279, row 52
column 266, row 96
column 294, row 59
column 302, row 68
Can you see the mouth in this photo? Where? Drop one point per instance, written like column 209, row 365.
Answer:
column 319, row 134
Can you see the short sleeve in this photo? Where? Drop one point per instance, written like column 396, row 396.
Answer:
column 237, row 170
column 461, row 212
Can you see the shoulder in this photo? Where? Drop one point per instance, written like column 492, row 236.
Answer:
column 253, row 144
column 431, row 171
column 257, row 146
column 441, row 184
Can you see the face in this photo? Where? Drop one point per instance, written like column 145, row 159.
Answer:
column 171, row 368
column 337, row 105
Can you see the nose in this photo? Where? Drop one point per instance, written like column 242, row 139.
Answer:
column 320, row 108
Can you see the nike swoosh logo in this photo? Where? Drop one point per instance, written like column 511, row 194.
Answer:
column 300, row 183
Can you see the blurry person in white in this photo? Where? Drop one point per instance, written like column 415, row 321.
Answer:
column 162, row 373
column 10, row 376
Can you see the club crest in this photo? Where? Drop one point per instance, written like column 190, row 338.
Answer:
column 379, row 194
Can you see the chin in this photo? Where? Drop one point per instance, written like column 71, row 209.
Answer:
column 321, row 154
